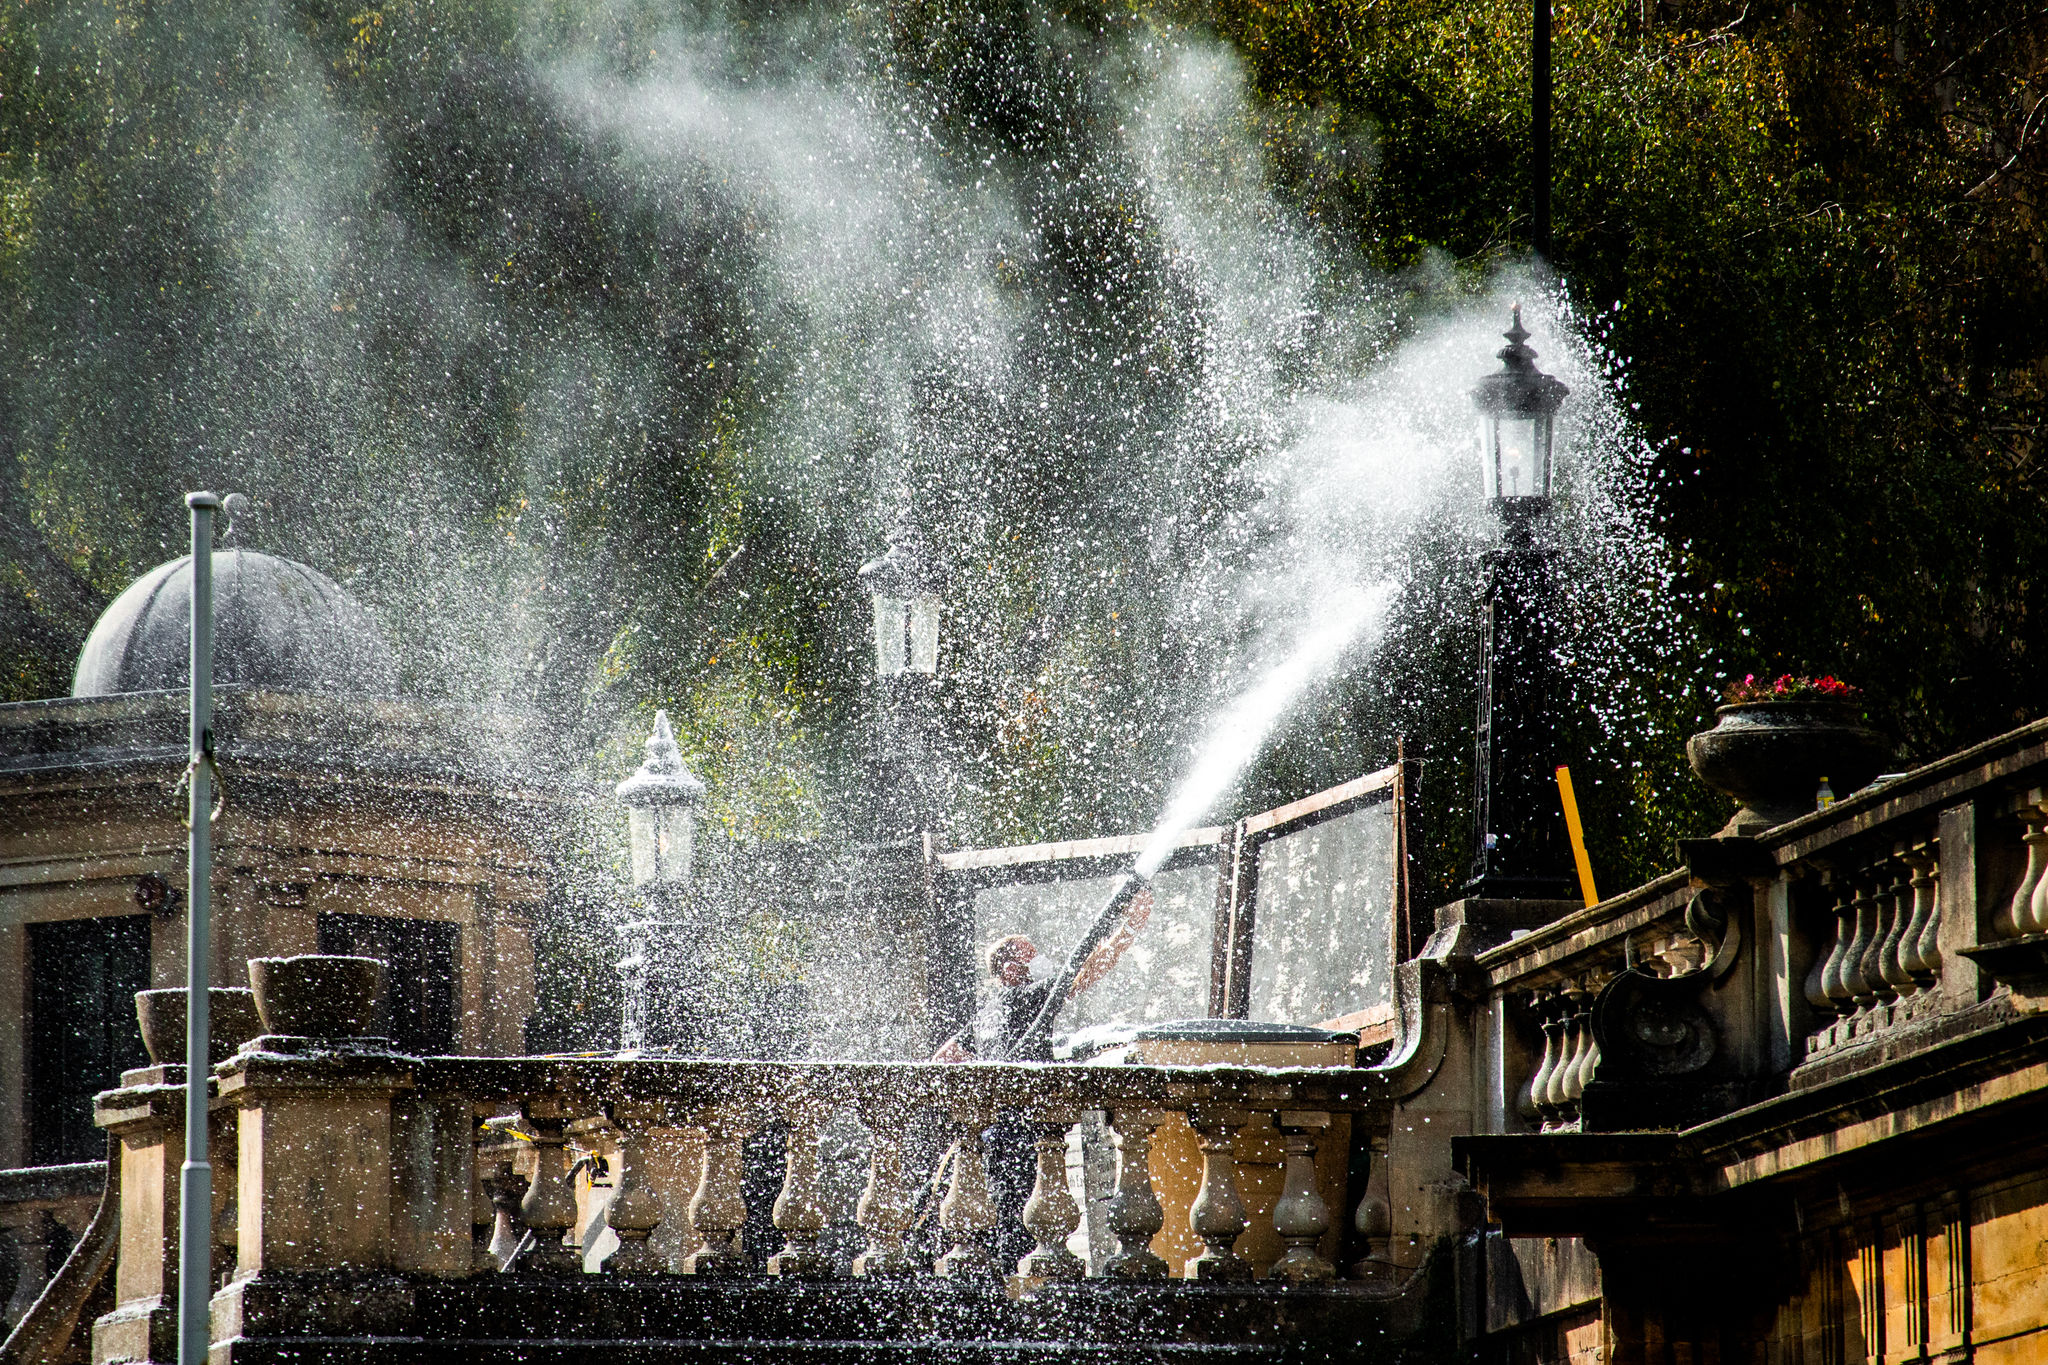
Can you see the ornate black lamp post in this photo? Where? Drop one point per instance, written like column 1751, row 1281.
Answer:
column 1520, row 849
column 660, row 1005
column 889, row 890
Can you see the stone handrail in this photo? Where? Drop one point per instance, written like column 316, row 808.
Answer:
column 1914, row 908
column 349, row 1157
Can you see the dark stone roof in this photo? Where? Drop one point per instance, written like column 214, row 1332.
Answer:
column 277, row 625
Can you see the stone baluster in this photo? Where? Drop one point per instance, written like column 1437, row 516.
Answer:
column 1529, row 1099
column 1835, row 975
column 1854, row 978
column 1816, row 981
column 885, row 1212
column 968, row 1211
column 1562, row 1098
column 2016, row 917
column 719, row 1210
column 2036, row 921
column 1218, row 1215
column 1373, row 1220
column 634, row 1211
column 1894, row 952
column 1926, row 883
column 1878, row 889
column 1553, row 1059
column 507, row 1190
column 1050, row 1214
column 1301, row 1216
column 1589, row 1056
column 549, row 1208
column 799, row 1212
column 1134, row 1214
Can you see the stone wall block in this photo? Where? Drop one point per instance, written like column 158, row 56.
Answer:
column 316, row 1177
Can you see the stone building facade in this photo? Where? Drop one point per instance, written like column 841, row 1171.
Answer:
column 352, row 819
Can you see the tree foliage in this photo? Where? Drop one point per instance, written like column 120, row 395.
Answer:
column 534, row 382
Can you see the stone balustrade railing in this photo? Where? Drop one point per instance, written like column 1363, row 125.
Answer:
column 1878, row 964
column 1571, row 1053
column 343, row 1156
column 1915, row 909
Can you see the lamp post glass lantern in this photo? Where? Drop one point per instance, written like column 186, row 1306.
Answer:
column 1517, row 405
column 906, row 605
column 661, row 801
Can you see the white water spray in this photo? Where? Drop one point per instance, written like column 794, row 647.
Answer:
column 1239, row 733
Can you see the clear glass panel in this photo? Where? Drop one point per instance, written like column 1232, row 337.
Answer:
column 1489, row 468
column 1164, row 974
column 890, row 613
column 664, row 840
column 1519, row 475
column 924, row 634
column 1323, row 937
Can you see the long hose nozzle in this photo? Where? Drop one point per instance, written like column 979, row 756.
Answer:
column 1040, row 1029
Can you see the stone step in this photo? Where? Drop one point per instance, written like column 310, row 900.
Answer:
column 345, row 1317
column 412, row 1351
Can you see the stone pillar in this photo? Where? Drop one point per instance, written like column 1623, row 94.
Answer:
column 433, row 1148
column 147, row 1115
column 316, row 1159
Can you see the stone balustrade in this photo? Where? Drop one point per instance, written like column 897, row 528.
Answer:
column 1570, row 1060
column 1877, row 963
column 1912, row 910
column 346, row 1157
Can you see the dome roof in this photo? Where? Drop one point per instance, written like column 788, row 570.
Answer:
column 277, row 625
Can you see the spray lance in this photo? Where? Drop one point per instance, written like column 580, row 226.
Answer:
column 1040, row 1028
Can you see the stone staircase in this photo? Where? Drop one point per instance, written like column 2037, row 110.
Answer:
column 344, row 1318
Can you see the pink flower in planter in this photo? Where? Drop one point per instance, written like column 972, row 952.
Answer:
column 1788, row 687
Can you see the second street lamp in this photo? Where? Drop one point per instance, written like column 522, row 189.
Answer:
column 659, row 1004
column 906, row 604
column 904, row 591
column 1520, row 850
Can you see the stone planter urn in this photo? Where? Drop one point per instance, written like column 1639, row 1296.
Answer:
column 1772, row 756
column 231, row 1020
column 316, row 996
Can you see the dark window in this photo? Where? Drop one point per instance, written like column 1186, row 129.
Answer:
column 82, row 1034
column 418, row 1010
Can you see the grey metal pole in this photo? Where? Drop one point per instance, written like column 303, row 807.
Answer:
column 1539, row 119
column 195, row 1178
